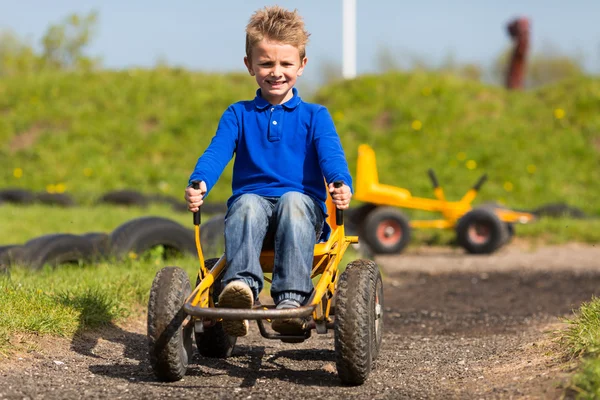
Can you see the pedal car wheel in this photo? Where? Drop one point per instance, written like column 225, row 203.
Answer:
column 358, row 323
column 170, row 339
column 214, row 342
column 480, row 231
column 386, row 230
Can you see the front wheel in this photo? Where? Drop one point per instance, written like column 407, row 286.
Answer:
column 480, row 231
column 386, row 230
column 170, row 337
column 358, row 323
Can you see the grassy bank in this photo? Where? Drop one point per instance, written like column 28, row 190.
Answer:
column 90, row 133
column 581, row 341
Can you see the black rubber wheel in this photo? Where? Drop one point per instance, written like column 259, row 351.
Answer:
column 100, row 243
column 212, row 236
column 214, row 342
column 142, row 234
column 55, row 199
column 170, row 342
column 386, row 230
column 124, row 198
column 9, row 255
column 358, row 325
column 56, row 249
column 480, row 231
column 17, row 196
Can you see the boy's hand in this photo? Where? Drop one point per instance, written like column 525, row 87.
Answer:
column 341, row 196
column 194, row 197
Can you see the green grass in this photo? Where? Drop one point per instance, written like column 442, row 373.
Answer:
column 144, row 129
column 581, row 340
column 70, row 299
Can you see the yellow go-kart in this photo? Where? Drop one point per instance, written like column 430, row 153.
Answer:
column 177, row 314
column 387, row 230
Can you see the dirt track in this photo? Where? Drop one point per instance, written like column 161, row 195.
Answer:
column 456, row 326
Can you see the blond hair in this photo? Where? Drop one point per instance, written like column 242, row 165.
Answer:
column 277, row 24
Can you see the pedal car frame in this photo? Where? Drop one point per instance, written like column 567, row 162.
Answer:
column 376, row 194
column 177, row 314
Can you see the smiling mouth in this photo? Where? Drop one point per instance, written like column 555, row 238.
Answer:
column 278, row 83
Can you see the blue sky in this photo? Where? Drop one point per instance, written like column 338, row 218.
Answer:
column 209, row 35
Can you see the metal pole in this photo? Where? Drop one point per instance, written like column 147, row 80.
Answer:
column 349, row 39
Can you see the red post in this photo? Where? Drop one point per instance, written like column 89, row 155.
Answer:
column 518, row 30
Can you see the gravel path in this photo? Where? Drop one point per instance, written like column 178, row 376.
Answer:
column 456, row 326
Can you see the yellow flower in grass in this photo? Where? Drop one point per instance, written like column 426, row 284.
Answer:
column 559, row 113
column 60, row 187
column 471, row 164
column 508, row 186
column 17, row 173
column 132, row 255
column 416, row 125
column 338, row 116
column 51, row 188
column 531, row 168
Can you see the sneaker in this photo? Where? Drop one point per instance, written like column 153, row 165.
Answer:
column 237, row 294
column 290, row 326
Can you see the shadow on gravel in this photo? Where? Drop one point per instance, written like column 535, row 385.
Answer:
column 95, row 309
column 475, row 304
column 250, row 363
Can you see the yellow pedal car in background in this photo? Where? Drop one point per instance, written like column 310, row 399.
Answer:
column 386, row 230
column 178, row 315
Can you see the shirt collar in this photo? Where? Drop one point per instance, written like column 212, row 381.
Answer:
column 292, row 103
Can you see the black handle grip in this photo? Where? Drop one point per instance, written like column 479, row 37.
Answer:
column 197, row 216
column 433, row 178
column 480, row 182
column 339, row 214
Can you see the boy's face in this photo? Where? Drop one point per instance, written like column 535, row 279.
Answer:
column 276, row 67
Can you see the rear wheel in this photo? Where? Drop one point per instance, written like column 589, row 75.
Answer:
column 214, row 342
column 170, row 336
column 386, row 230
column 480, row 231
column 358, row 323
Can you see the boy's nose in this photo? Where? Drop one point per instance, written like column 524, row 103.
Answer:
column 276, row 71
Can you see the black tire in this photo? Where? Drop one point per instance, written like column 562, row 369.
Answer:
column 9, row 256
column 358, row 330
column 214, row 342
column 55, row 199
column 56, row 249
column 142, row 234
column 17, row 196
column 170, row 342
column 100, row 243
column 212, row 236
column 124, row 198
column 386, row 230
column 480, row 231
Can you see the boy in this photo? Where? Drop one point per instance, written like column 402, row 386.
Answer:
column 284, row 148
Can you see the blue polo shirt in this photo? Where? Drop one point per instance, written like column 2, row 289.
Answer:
column 278, row 148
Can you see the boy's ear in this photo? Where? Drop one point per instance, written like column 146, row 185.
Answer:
column 248, row 64
column 302, row 65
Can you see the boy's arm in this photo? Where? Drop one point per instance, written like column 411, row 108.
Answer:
column 332, row 159
column 329, row 150
column 219, row 152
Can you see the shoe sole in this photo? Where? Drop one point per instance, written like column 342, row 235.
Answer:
column 236, row 297
column 291, row 326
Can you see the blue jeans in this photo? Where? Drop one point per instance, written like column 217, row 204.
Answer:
column 290, row 225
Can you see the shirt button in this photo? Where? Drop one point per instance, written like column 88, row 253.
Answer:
column 272, row 109
column 274, row 122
